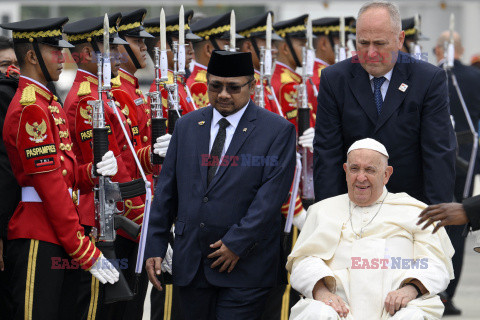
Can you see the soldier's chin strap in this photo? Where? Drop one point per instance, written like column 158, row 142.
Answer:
column 290, row 46
column 132, row 55
column 43, row 67
column 214, row 43
column 255, row 47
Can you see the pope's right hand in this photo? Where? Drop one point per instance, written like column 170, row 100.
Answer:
column 330, row 299
column 154, row 269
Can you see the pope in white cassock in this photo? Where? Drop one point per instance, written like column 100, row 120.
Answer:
column 361, row 255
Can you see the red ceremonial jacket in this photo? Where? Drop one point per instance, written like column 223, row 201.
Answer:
column 197, row 83
column 38, row 143
column 79, row 113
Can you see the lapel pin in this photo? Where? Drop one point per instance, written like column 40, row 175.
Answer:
column 201, row 123
column 244, row 129
column 403, row 87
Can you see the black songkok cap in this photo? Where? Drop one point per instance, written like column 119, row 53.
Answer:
column 256, row 27
column 131, row 24
column 230, row 64
column 46, row 31
column 91, row 29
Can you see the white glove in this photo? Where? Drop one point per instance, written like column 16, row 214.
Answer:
column 167, row 262
column 160, row 147
column 104, row 271
column 299, row 219
column 108, row 165
column 306, row 140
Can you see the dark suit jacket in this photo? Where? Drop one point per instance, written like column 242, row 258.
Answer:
column 468, row 79
column 9, row 188
column 472, row 208
column 241, row 206
column 414, row 126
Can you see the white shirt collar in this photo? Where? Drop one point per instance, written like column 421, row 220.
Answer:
column 36, row 82
column 200, row 65
column 89, row 73
column 234, row 119
column 125, row 71
column 321, row 61
column 283, row 64
column 387, row 75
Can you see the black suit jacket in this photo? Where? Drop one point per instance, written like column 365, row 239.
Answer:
column 472, row 208
column 414, row 126
column 9, row 188
column 468, row 79
column 241, row 205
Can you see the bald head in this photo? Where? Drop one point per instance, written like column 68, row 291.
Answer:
column 445, row 38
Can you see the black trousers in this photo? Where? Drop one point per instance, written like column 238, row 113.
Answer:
column 6, row 301
column 42, row 274
column 126, row 250
column 165, row 305
column 455, row 233
column 202, row 301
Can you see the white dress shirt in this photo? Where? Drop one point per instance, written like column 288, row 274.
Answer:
column 234, row 119
column 385, row 84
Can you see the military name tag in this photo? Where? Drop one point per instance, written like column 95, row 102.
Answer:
column 138, row 101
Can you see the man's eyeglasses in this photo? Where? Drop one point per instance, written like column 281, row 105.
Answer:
column 217, row 87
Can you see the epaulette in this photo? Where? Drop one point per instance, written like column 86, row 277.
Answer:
column 288, row 76
column 84, row 89
column 201, row 76
column 28, row 96
column 127, row 77
column 116, row 82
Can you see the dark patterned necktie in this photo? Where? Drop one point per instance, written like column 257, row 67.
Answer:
column 377, row 93
column 217, row 148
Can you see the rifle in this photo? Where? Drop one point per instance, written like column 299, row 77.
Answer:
column 303, row 119
column 340, row 53
column 107, row 193
column 259, row 88
column 174, row 109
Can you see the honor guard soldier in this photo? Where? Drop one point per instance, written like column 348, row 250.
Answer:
column 327, row 35
column 172, row 28
column 413, row 34
column 87, row 37
column 215, row 34
column 289, row 57
column 254, row 32
column 46, row 240
column 134, row 57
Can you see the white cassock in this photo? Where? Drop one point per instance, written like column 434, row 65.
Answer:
column 362, row 271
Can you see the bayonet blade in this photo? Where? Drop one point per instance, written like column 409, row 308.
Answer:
column 309, row 34
column 232, row 31
column 181, row 27
column 269, row 32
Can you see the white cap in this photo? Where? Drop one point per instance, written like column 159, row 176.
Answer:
column 368, row 143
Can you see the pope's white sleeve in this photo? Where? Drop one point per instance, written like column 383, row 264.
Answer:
column 434, row 252
column 307, row 271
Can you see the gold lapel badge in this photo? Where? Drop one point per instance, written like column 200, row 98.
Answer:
column 244, row 129
column 201, row 123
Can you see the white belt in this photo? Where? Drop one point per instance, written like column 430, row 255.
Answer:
column 29, row 194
